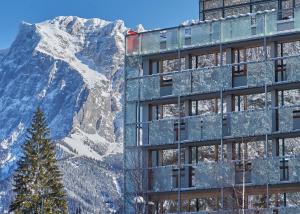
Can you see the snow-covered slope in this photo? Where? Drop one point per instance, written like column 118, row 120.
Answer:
column 72, row 68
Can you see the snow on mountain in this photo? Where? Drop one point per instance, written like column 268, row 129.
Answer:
column 73, row 69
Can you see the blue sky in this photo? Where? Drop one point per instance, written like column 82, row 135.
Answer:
column 150, row 13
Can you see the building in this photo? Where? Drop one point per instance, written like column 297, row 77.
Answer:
column 212, row 112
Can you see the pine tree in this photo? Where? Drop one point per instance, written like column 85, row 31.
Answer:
column 37, row 180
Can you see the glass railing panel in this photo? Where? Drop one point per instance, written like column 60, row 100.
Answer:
column 260, row 73
column 265, row 171
column 226, row 30
column 200, row 34
column 130, row 135
column 132, row 44
column 161, row 132
column 259, row 25
column 289, row 210
column 250, row 123
column 271, row 23
column 216, row 32
column 206, row 127
column 172, row 39
column 132, row 158
column 255, row 211
column 133, row 66
column 132, row 183
column 297, row 18
column 130, row 114
column 294, row 169
column 162, row 179
column 285, row 119
column 211, row 79
column 236, row 29
column 293, row 69
column 181, row 83
column 132, row 89
column 150, row 87
column 214, row 175
column 150, row 42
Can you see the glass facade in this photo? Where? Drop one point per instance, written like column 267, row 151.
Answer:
column 207, row 109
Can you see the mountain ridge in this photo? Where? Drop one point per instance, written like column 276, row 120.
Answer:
column 73, row 69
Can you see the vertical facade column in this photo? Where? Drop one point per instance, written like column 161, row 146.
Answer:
column 274, row 103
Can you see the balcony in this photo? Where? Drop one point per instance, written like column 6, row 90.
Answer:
column 210, row 175
column 211, row 79
column 211, row 126
column 214, row 32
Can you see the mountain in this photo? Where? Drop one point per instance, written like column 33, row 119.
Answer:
column 73, row 69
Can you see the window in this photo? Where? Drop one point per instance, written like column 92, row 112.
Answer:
column 205, row 153
column 239, row 56
column 188, row 36
column 166, row 111
column 289, row 146
column 163, row 39
column 169, row 157
column 264, row 6
column 182, row 134
column 202, row 107
column 251, row 101
column 289, row 97
column 175, row 177
column 257, row 201
column 207, row 60
column 287, row 9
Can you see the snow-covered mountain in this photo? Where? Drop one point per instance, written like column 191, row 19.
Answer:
column 72, row 68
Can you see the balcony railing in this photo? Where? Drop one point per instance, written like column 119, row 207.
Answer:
column 278, row 210
column 212, row 32
column 211, row 126
column 212, row 79
column 209, row 175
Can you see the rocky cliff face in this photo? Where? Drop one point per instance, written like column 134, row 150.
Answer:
column 72, row 68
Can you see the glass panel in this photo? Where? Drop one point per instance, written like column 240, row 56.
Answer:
column 200, row 34
column 133, row 66
column 130, row 113
column 162, row 179
column 150, row 87
column 226, row 30
column 131, row 159
column 285, row 119
column 292, row 66
column 181, row 83
column 260, row 24
column 161, row 132
column 271, row 23
column 213, row 175
column 289, row 210
column 216, row 31
column 150, row 42
column 211, row 79
column 132, row 46
column 205, row 127
column 132, row 181
column 172, row 39
column 129, row 203
column 250, row 123
column 132, row 89
column 260, row 73
column 265, row 171
column 241, row 28
column 297, row 18
column 294, row 169
column 130, row 135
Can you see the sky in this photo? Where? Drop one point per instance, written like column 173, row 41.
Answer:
column 150, row 13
